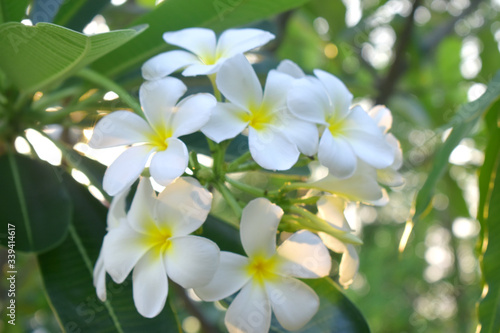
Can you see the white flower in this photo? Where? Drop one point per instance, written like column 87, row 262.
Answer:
column 348, row 134
column 266, row 276
column 388, row 176
column 275, row 136
column 154, row 241
column 166, row 121
column 331, row 209
column 116, row 216
column 206, row 54
column 361, row 186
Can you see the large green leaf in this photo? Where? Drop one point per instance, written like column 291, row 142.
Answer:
column 76, row 14
column 464, row 121
column 35, row 56
column 488, row 216
column 33, row 198
column 67, row 276
column 12, row 10
column 489, row 306
column 178, row 14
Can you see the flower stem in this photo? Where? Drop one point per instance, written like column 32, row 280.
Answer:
column 230, row 199
column 238, row 161
column 217, row 93
column 257, row 192
column 290, row 187
column 106, row 83
column 310, row 220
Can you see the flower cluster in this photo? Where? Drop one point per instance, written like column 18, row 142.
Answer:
column 293, row 115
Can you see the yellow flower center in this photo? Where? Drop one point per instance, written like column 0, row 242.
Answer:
column 158, row 239
column 259, row 117
column 262, row 269
column 336, row 126
column 159, row 139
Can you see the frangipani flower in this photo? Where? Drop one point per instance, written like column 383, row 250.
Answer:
column 206, row 54
column 266, row 277
column 331, row 209
column 154, row 241
column 275, row 136
column 158, row 135
column 348, row 134
column 388, row 176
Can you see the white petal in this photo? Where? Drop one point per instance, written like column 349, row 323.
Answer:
column 117, row 212
column 192, row 114
column 170, row 163
column 250, row 311
column 362, row 186
column 304, row 256
column 259, row 224
column 122, row 248
column 308, row 101
column 158, row 99
column 140, row 216
column 293, row 302
column 150, row 284
column 228, row 279
column 396, row 148
column 123, row 172
column 186, row 203
column 99, row 277
column 276, row 89
column 340, row 97
column 234, row 41
column 200, row 41
column 382, row 117
column 349, row 265
column 289, row 67
column 337, row 155
column 191, row 261
column 225, row 122
column 358, row 120
column 302, row 133
column 120, row 128
column 202, row 69
column 166, row 63
column 332, row 243
column 390, row 177
column 331, row 209
column 271, row 149
column 371, row 148
column 238, row 82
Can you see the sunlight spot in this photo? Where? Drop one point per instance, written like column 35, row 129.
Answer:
column 22, row 146
column 321, row 25
column 96, row 26
column 465, row 228
column 44, row 148
column 80, row 177
column 191, row 324
column 110, row 95
column 96, row 193
column 118, row 2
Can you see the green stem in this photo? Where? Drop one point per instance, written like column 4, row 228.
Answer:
column 49, row 100
column 307, row 201
column 58, row 116
column 250, row 166
column 290, row 187
column 312, row 221
column 194, row 164
column 230, row 199
column 238, row 161
column 108, row 84
column 257, row 192
column 217, row 93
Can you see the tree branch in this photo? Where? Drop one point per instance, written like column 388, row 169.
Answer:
column 389, row 82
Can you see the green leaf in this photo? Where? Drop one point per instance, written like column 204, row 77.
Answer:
column 67, row 275
column 76, row 14
column 179, row 14
column 35, row 56
column 12, row 10
column 35, row 201
column 464, row 121
column 489, row 306
column 336, row 314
